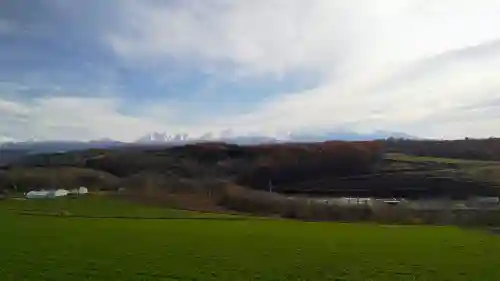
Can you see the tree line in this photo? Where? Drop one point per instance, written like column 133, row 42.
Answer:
column 478, row 149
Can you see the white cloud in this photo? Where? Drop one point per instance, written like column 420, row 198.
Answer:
column 428, row 98
column 258, row 36
column 389, row 64
column 408, row 65
column 4, row 139
column 282, row 35
column 9, row 108
column 73, row 118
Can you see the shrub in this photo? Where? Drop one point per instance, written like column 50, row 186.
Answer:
column 259, row 202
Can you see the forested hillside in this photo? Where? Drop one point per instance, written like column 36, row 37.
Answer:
column 333, row 168
column 480, row 149
column 252, row 165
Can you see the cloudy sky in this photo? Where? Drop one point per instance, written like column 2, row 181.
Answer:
column 123, row 68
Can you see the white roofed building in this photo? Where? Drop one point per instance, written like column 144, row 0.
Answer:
column 39, row 194
column 36, row 194
column 80, row 190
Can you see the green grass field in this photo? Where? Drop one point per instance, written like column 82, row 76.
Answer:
column 98, row 207
column 70, row 248
column 474, row 169
column 464, row 162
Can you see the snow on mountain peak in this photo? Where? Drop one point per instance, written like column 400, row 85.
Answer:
column 4, row 139
column 163, row 137
column 285, row 136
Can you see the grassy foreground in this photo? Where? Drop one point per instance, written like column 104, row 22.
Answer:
column 73, row 248
column 98, row 207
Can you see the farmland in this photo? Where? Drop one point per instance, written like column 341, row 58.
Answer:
column 97, row 207
column 72, row 247
column 460, row 162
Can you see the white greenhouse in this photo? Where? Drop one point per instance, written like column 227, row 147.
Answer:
column 38, row 194
column 79, row 191
column 58, row 193
column 35, row 194
column 83, row 190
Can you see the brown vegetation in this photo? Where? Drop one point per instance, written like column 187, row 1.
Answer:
column 479, row 149
column 294, row 208
column 252, row 166
column 25, row 179
column 298, row 162
column 332, row 168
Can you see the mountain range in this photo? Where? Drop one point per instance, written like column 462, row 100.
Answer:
column 10, row 151
column 228, row 136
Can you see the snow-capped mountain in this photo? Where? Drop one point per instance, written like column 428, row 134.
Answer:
column 224, row 136
column 209, row 136
column 156, row 137
column 345, row 136
column 230, row 137
column 12, row 151
column 180, row 138
column 17, row 150
column 4, row 139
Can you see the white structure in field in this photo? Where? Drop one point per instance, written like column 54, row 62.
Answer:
column 58, row 193
column 80, row 190
column 38, row 194
column 35, row 194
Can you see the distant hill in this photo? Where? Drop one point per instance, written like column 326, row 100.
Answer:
column 477, row 149
column 11, row 155
column 13, row 151
column 347, row 136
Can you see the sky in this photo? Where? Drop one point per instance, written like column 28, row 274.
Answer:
column 120, row 69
